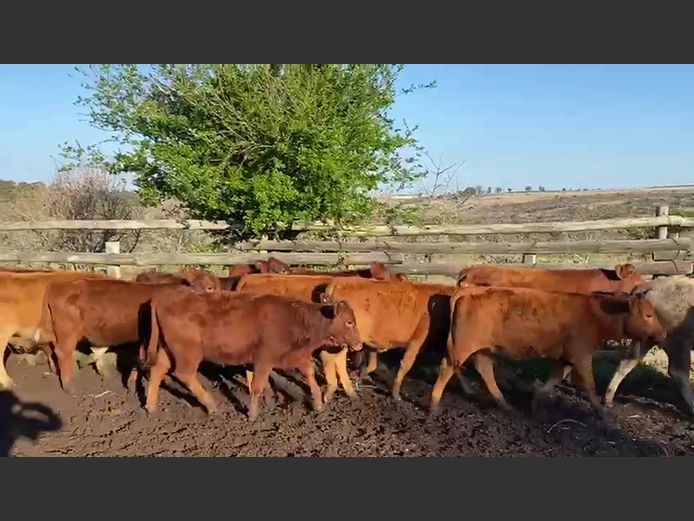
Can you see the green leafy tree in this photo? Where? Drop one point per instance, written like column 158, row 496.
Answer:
column 257, row 145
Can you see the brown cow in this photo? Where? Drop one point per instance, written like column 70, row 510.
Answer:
column 527, row 323
column 21, row 299
column 396, row 315
column 622, row 279
column 199, row 278
column 307, row 288
column 104, row 312
column 234, row 329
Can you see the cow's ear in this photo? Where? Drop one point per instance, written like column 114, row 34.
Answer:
column 277, row 266
column 378, row 270
column 341, row 307
column 615, row 306
column 328, row 311
column 624, row 270
column 188, row 277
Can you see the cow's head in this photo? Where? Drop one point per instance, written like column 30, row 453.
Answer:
column 201, row 280
column 273, row 265
column 641, row 321
column 628, row 276
column 343, row 325
column 380, row 272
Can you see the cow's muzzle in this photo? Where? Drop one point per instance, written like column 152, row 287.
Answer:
column 356, row 347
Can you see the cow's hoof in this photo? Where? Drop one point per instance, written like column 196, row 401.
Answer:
column 434, row 411
column 69, row 390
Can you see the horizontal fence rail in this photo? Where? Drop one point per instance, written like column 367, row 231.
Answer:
column 366, row 231
column 670, row 249
column 616, row 246
column 451, row 269
column 491, row 229
column 219, row 259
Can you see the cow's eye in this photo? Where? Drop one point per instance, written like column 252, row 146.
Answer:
column 350, row 323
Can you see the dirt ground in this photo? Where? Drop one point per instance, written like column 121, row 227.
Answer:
column 38, row 419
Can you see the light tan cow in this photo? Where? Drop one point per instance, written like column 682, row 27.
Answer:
column 21, row 304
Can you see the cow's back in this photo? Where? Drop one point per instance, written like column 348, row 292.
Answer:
column 526, row 322
column 389, row 312
column 108, row 312
column 301, row 287
column 584, row 281
column 22, row 294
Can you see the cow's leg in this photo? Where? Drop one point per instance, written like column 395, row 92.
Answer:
column 410, row 356
column 249, row 380
column 5, row 380
column 639, row 350
column 307, row 369
column 485, row 367
column 49, row 359
column 343, row 375
column 259, row 381
column 583, row 365
column 357, row 360
column 371, row 366
column 65, row 347
column 330, row 373
column 446, row 370
column 268, row 393
column 187, row 373
column 464, row 382
column 558, row 373
column 623, row 369
column 156, row 375
column 136, row 371
column 679, row 365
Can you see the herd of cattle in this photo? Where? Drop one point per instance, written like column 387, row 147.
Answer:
column 269, row 316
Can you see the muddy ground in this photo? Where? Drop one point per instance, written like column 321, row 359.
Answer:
column 38, row 419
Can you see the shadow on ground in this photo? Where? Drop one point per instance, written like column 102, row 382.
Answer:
column 23, row 420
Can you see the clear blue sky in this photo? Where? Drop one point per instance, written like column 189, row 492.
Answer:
column 597, row 126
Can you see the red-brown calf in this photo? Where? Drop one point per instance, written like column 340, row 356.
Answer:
column 266, row 331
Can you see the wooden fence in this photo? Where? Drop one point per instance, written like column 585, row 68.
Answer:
column 670, row 253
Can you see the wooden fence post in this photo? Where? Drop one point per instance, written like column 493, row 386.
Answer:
column 662, row 230
column 529, row 258
column 113, row 247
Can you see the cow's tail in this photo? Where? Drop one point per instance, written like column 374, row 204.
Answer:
column 44, row 333
column 450, row 340
column 153, row 344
